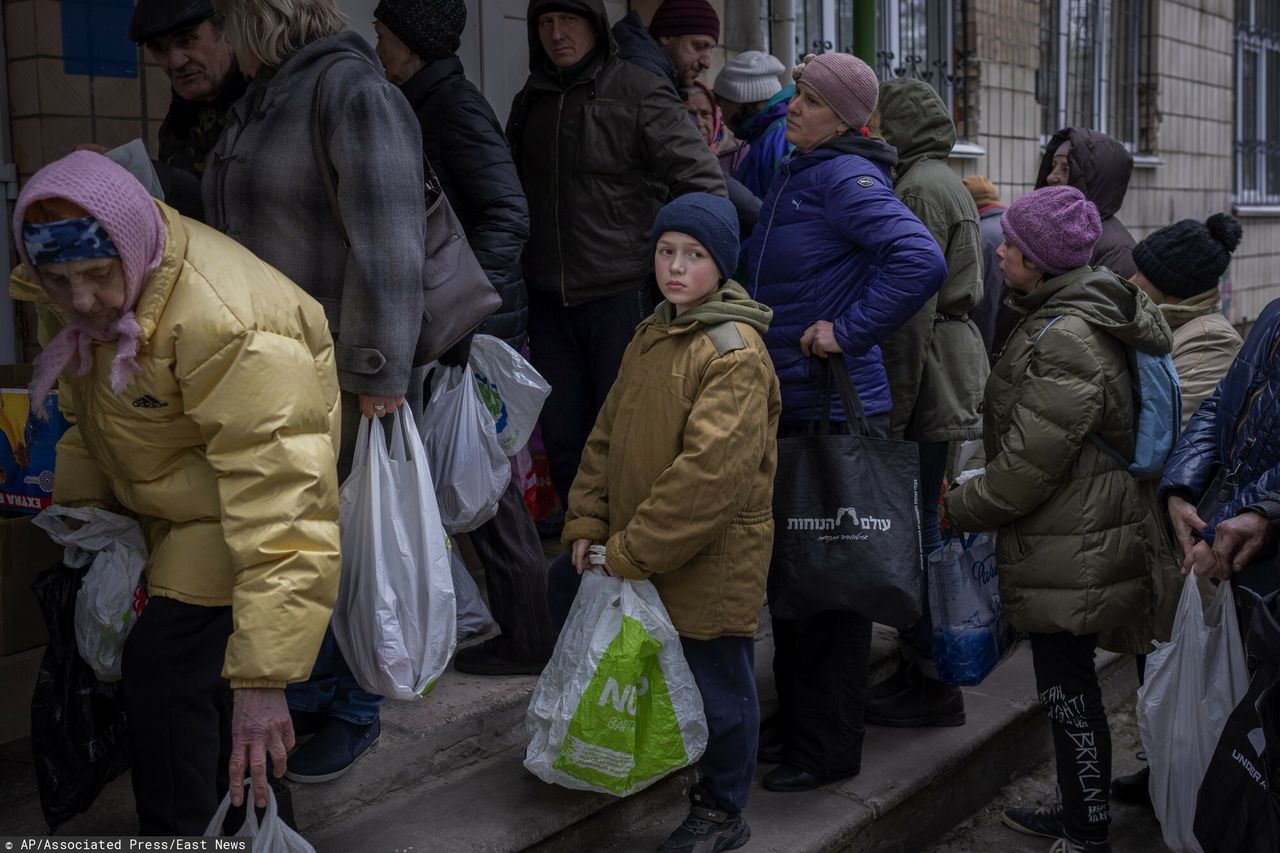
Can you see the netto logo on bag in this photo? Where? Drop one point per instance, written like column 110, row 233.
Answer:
column 864, row 525
column 623, row 698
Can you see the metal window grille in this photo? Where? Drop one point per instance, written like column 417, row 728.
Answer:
column 1095, row 69
column 932, row 41
column 1257, row 133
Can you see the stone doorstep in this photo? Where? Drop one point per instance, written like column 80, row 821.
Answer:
column 915, row 784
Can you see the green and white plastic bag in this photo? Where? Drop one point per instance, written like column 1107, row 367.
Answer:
column 617, row 707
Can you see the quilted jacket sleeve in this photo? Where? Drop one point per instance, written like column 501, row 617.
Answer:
column 1058, row 403
column 694, row 499
column 376, row 150
column 1190, row 466
column 260, row 403
column 911, row 266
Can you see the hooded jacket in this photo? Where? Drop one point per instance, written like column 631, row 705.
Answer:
column 262, row 188
column 223, row 446
column 677, row 476
column 834, row 243
column 937, row 362
column 465, row 146
column 1204, row 345
column 765, row 137
column 636, row 45
column 1237, row 426
column 1099, row 167
column 599, row 155
column 1079, row 544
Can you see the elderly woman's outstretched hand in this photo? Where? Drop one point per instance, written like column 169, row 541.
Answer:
column 819, row 339
column 260, row 726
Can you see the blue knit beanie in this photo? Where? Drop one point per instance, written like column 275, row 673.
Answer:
column 709, row 219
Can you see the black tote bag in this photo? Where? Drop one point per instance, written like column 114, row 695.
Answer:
column 846, row 519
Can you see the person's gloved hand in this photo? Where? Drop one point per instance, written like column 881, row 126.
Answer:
column 458, row 354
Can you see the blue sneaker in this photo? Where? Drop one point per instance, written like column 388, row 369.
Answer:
column 332, row 751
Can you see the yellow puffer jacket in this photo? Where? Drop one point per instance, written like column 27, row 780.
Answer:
column 224, row 446
column 677, row 475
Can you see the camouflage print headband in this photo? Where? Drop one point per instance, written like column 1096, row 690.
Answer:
column 67, row 240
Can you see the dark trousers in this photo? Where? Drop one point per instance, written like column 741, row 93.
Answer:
column 724, row 669
column 933, row 468
column 515, row 572
column 578, row 350
column 1068, row 688
column 178, row 708
column 821, row 664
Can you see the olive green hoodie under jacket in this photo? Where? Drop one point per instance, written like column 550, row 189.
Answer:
column 677, row 475
column 1079, row 544
column 935, row 362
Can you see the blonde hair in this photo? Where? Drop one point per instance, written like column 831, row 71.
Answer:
column 270, row 30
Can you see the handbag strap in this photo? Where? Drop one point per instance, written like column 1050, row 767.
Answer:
column 839, row 369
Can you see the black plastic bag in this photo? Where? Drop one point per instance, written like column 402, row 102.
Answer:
column 77, row 722
column 1238, row 807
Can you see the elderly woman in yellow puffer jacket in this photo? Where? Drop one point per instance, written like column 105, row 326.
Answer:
column 204, row 400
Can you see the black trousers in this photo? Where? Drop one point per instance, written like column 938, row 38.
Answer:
column 821, row 665
column 178, row 707
column 1068, row 687
column 579, row 350
column 515, row 572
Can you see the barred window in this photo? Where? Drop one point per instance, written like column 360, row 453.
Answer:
column 1257, row 111
column 1095, row 69
column 931, row 41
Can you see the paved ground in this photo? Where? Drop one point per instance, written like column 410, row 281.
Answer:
column 1133, row 830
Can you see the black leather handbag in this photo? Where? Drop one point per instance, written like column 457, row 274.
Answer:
column 457, row 296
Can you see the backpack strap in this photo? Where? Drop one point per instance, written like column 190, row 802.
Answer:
column 725, row 337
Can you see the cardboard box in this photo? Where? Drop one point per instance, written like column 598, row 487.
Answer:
column 17, row 685
column 27, row 444
column 25, row 551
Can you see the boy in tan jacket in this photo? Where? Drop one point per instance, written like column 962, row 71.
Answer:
column 676, row 482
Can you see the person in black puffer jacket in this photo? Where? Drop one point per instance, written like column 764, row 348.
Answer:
column 417, row 43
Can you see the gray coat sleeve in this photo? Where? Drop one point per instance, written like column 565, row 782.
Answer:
column 376, row 150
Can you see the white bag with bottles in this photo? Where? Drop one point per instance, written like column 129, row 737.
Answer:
column 1192, row 685
column 395, row 618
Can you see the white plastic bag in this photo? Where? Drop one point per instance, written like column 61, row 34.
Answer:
column 617, row 707
column 395, row 619
column 471, row 471
column 474, row 617
column 272, row 835
column 105, row 604
column 1192, row 684
column 512, row 390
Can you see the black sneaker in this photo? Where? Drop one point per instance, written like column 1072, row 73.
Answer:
column 925, row 702
column 707, row 831
column 1066, row 845
column 332, row 751
column 1044, row 821
column 906, row 675
column 1134, row 789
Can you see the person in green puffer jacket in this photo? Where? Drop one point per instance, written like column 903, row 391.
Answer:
column 937, row 365
column 1078, row 542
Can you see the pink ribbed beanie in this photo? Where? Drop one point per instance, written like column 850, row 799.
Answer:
column 846, row 83
column 130, row 217
column 1054, row 227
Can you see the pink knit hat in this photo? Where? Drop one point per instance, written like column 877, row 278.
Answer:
column 846, row 83
column 133, row 222
column 1054, row 227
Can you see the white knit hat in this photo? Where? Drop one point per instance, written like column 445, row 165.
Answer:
column 749, row 77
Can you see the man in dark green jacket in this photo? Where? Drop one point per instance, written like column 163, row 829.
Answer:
column 937, row 365
column 601, row 145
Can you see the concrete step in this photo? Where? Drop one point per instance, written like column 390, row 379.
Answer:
column 914, row 785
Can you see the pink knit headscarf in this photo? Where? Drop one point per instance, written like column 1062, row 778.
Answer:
column 130, row 217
